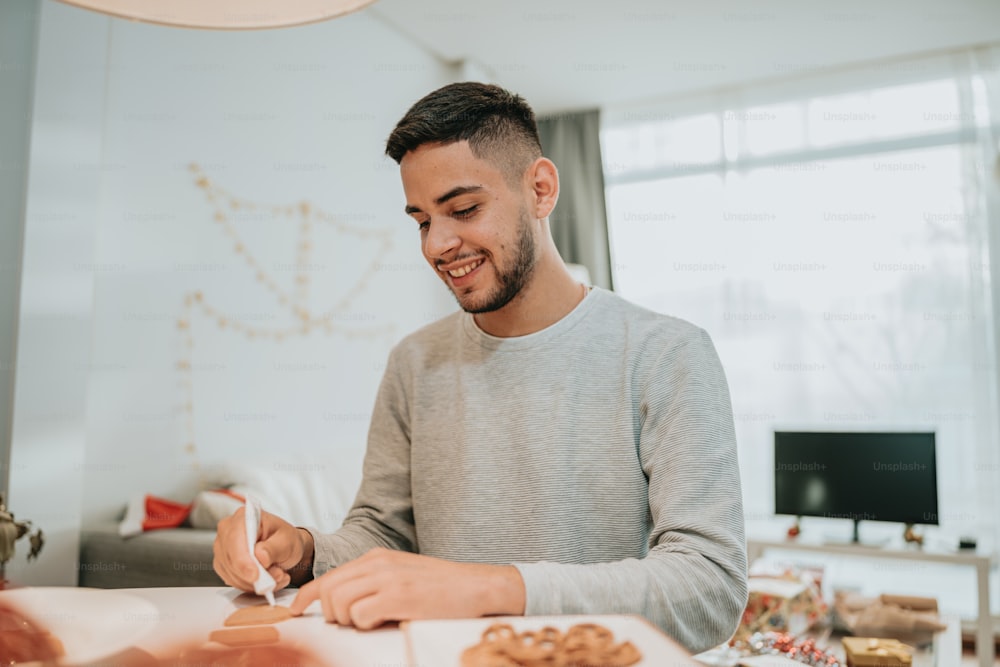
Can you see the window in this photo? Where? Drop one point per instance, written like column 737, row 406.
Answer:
column 835, row 246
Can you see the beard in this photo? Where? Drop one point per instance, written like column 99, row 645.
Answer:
column 511, row 279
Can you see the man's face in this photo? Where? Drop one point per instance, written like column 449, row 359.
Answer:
column 475, row 231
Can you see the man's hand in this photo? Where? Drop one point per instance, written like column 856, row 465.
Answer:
column 386, row 585
column 282, row 549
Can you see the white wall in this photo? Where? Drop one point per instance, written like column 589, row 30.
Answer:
column 273, row 117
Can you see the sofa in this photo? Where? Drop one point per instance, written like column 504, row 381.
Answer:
column 167, row 557
column 316, row 495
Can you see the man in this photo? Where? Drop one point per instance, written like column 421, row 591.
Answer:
column 551, row 449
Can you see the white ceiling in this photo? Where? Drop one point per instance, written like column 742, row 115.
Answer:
column 572, row 54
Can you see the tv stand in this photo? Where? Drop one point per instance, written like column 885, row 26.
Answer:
column 867, row 545
column 855, row 540
column 985, row 648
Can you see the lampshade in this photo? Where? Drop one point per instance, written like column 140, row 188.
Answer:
column 224, row 14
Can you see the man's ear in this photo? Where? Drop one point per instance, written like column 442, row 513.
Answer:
column 543, row 179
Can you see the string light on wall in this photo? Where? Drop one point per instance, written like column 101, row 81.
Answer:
column 301, row 321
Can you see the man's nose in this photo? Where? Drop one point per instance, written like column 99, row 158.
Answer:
column 442, row 239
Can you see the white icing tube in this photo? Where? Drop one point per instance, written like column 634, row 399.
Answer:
column 265, row 582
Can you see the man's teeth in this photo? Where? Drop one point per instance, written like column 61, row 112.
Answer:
column 458, row 273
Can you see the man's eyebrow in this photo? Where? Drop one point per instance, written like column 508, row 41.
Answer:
column 451, row 194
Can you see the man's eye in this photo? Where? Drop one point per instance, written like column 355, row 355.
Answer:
column 466, row 212
column 423, row 225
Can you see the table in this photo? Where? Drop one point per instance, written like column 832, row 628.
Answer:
column 985, row 649
column 161, row 622
column 188, row 615
column 946, row 650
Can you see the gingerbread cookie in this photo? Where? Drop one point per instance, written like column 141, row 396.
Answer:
column 245, row 636
column 258, row 615
column 22, row 641
column 585, row 644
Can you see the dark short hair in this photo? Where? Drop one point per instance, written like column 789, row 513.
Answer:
column 499, row 125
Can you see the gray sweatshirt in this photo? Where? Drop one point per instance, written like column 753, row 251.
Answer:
column 598, row 456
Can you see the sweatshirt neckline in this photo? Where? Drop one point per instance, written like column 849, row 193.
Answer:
column 551, row 332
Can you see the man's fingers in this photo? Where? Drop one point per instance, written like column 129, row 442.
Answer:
column 305, row 597
column 223, row 572
column 263, row 555
column 234, row 534
column 348, row 594
column 231, row 559
column 370, row 612
column 245, row 566
column 281, row 578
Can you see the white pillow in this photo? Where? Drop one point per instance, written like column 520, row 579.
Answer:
column 316, row 495
column 210, row 507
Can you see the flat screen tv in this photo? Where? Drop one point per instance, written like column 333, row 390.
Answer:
column 887, row 476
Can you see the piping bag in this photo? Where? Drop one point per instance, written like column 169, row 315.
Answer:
column 265, row 582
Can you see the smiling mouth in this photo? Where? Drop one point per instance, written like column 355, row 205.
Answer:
column 465, row 270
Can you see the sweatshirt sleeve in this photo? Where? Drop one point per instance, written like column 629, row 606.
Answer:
column 382, row 513
column 693, row 581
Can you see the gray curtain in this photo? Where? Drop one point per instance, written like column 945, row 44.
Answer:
column 579, row 222
column 18, row 46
